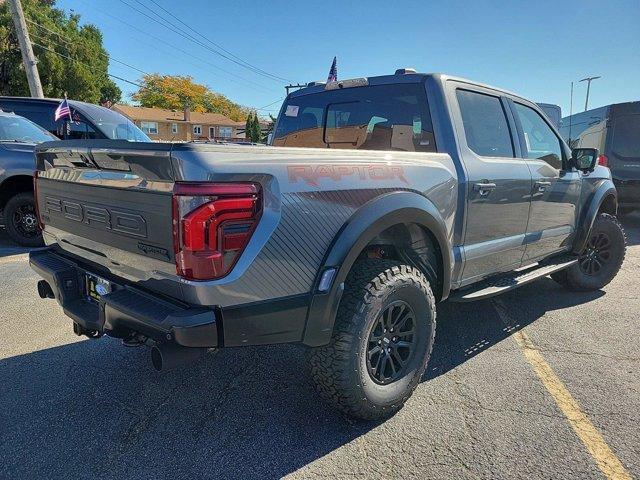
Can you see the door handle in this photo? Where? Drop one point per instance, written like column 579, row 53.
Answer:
column 483, row 188
column 542, row 185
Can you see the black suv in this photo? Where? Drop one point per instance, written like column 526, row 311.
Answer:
column 615, row 131
column 89, row 121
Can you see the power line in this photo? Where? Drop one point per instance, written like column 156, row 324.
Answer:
column 85, row 64
column 171, row 26
column 253, row 67
column 115, row 76
column 163, row 41
column 264, row 107
column 109, row 57
column 237, row 60
column 66, row 40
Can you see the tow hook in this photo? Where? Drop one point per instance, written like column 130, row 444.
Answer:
column 80, row 330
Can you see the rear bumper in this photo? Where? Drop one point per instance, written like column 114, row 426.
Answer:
column 126, row 309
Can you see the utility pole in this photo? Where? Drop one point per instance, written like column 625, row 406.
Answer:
column 588, row 80
column 28, row 59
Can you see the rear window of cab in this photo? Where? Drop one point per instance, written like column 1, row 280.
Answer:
column 382, row 117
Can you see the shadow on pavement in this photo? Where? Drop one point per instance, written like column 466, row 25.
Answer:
column 95, row 409
column 467, row 329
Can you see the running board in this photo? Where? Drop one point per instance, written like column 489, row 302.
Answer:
column 506, row 283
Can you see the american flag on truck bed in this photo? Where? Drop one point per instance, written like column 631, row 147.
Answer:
column 333, row 72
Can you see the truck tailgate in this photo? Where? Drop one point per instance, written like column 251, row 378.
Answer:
column 113, row 209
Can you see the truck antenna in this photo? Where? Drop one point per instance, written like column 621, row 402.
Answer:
column 570, row 112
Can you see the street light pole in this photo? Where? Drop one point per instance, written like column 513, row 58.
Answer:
column 588, row 80
column 28, row 59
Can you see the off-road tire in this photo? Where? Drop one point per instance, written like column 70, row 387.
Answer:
column 16, row 202
column 576, row 279
column 340, row 369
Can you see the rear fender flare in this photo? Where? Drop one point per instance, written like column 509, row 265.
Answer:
column 605, row 190
column 364, row 225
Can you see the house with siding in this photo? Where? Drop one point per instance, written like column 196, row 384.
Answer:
column 182, row 125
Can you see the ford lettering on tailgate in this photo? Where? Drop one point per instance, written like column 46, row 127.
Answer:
column 96, row 216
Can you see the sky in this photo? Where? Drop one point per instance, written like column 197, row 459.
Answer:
column 533, row 48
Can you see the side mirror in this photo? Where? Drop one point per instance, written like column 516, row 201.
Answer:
column 584, row 159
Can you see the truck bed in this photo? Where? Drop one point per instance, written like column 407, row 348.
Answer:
column 109, row 203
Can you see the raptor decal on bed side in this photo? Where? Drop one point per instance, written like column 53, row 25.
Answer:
column 312, row 174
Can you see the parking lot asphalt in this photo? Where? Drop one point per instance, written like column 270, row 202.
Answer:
column 491, row 405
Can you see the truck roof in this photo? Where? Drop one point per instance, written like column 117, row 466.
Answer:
column 411, row 77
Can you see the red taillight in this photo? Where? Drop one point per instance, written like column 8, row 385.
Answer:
column 603, row 160
column 212, row 224
column 35, row 199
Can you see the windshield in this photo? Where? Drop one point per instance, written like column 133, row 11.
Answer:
column 18, row 129
column 113, row 124
column 383, row 117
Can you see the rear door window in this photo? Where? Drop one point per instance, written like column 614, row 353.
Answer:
column 485, row 124
column 626, row 136
column 382, row 117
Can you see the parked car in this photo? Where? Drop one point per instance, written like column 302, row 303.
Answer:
column 18, row 137
column 89, row 121
column 424, row 188
column 615, row 131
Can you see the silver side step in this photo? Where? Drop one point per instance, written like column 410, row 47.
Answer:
column 505, row 283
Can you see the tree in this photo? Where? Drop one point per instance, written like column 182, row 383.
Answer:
column 256, row 133
column 247, row 127
column 56, row 35
column 174, row 92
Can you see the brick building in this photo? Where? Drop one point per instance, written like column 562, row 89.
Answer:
column 182, row 125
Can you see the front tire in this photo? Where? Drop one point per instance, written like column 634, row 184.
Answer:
column 601, row 259
column 21, row 221
column 382, row 340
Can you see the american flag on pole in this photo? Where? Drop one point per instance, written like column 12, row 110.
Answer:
column 62, row 110
column 333, row 73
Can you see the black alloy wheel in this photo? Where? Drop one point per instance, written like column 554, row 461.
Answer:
column 596, row 255
column 25, row 221
column 391, row 343
column 21, row 220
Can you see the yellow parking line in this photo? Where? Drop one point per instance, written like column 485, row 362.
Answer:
column 606, row 460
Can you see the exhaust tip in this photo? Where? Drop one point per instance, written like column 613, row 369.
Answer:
column 167, row 356
column 45, row 290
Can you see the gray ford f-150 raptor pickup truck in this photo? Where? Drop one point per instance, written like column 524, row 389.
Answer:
column 421, row 188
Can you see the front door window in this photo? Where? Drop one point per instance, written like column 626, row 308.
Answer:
column 540, row 140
